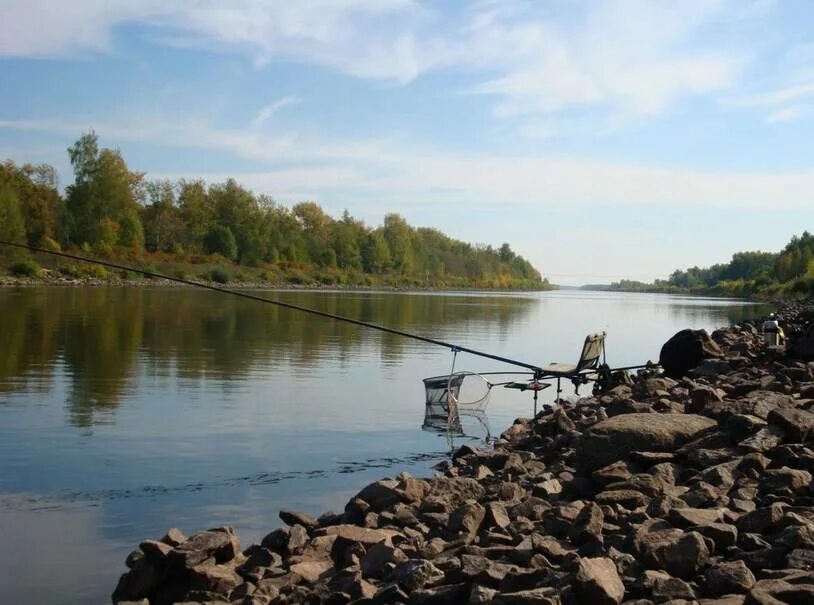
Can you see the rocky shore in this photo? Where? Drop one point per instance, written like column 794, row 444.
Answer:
column 683, row 487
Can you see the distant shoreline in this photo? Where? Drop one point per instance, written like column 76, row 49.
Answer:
column 7, row 281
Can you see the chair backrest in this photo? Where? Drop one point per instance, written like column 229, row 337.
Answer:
column 592, row 350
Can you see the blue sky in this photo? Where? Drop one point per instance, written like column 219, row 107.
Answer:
column 603, row 140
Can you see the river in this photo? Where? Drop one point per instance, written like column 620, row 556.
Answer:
column 127, row 411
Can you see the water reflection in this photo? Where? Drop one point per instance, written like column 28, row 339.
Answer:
column 125, row 412
column 102, row 336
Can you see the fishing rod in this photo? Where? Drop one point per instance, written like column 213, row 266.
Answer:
column 453, row 347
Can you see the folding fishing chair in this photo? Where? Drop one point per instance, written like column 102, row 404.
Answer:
column 584, row 369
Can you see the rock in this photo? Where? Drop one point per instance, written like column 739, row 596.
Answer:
column 155, row 551
column 703, row 395
column 174, row 537
column 667, row 588
column 139, row 582
column 214, row 578
column 467, row 519
column 380, row 495
column 363, row 535
column 618, row 471
column 723, row 535
column 297, row 539
column 548, row 488
column 802, row 344
column 686, row 517
column 801, row 558
column 685, row 350
column 219, row 544
column 682, row 557
column 796, row 424
column 784, row 481
column 760, row 520
column 764, row 440
column 310, row 571
column 613, row 439
column 455, row 491
column 378, row 557
column 730, row 577
column 451, row 594
column 550, row 547
column 534, row 596
column 588, row 526
column 496, row 515
column 597, row 581
column 628, row 498
column 480, row 595
column 416, row 574
column 291, row 517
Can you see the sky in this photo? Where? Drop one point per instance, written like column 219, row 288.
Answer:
column 601, row 139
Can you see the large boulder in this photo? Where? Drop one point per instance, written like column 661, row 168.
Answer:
column 597, row 581
column 684, row 351
column 617, row 437
column 802, row 345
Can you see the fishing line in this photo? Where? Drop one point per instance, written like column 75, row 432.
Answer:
column 453, row 347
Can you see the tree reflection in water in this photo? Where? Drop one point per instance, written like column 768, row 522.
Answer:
column 101, row 338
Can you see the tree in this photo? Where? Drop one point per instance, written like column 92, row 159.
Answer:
column 12, row 226
column 164, row 229
column 40, row 203
column 104, row 192
column 221, row 240
column 376, row 255
column 196, row 213
column 397, row 234
column 237, row 209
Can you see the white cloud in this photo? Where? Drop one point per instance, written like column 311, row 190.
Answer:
column 629, row 58
column 787, row 114
column 632, row 58
column 395, row 173
column 772, row 97
column 272, row 108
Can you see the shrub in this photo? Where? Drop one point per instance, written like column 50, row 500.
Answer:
column 149, row 267
column 298, row 278
column 97, row 272
column 220, row 275
column 71, row 271
column 25, row 268
column 50, row 244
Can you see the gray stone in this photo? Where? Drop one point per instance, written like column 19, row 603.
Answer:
column 467, row 519
column 292, row 517
column 682, row 557
column 597, row 581
column 615, row 438
column 219, row 544
column 416, row 574
column 730, row 577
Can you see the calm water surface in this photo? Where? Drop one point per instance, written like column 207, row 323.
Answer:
column 124, row 412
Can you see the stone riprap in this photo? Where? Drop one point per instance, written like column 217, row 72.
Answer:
column 693, row 488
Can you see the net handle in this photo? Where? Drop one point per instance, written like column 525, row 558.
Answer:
column 452, row 411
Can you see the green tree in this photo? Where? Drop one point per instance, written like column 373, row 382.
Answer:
column 196, row 213
column 376, row 253
column 102, row 201
column 397, row 234
column 12, row 225
column 221, row 240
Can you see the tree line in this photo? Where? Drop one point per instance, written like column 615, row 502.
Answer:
column 112, row 211
column 788, row 272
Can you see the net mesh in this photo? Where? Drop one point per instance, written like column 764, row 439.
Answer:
column 449, row 396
